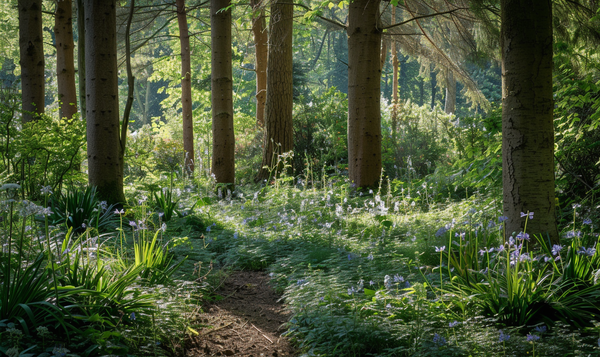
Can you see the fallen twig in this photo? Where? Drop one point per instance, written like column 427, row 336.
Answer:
column 263, row 335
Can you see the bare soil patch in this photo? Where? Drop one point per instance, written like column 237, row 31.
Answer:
column 248, row 321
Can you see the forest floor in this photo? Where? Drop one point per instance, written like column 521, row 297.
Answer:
column 247, row 319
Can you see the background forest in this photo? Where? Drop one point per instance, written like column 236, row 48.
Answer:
column 414, row 257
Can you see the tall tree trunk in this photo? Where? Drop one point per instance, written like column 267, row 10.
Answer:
column 261, row 46
column 223, row 161
column 394, row 81
column 278, row 112
column 65, row 62
column 527, row 113
column 421, row 91
column 186, row 88
column 32, row 58
column 450, row 104
column 364, row 74
column 433, row 88
column 383, row 55
column 105, row 165
column 81, row 56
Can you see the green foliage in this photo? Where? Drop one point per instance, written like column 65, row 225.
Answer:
column 522, row 286
column 25, row 293
column 577, row 114
column 419, row 142
column 154, row 259
column 165, row 203
column 320, row 130
column 81, row 209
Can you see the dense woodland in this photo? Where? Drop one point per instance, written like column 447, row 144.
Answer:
column 416, row 178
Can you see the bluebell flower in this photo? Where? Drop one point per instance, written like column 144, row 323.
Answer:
column 235, row 235
column 208, row 229
column 371, row 283
column 370, row 257
column 587, row 251
column 440, row 249
column 587, row 221
column 349, row 256
column 454, row 324
column 556, row 249
column 439, row 340
column 528, row 215
column 523, row 236
column 504, row 337
column 132, row 316
column 440, row 232
column 398, row 279
column 540, row 329
column 576, row 206
column 531, row 338
column 502, row 219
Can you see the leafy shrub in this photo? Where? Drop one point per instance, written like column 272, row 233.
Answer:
column 81, row 209
column 169, row 155
column 418, row 144
column 520, row 286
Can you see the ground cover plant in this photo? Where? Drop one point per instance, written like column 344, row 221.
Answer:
column 439, row 201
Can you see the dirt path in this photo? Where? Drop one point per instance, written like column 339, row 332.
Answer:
column 246, row 322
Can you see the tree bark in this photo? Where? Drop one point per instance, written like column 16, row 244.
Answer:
column 364, row 74
column 279, row 103
column 65, row 62
column 395, row 82
column 186, row 88
column 433, row 88
column 261, row 45
column 527, row 117
column 32, row 59
column 81, row 56
column 450, row 103
column 223, row 160
column 105, row 165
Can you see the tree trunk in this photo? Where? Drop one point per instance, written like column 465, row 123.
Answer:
column 383, row 55
column 433, row 88
column 105, row 165
column 450, row 104
column 81, row 56
column 527, row 113
column 223, row 161
column 394, row 82
column 364, row 74
column 186, row 88
column 65, row 62
column 278, row 112
column 32, row 58
column 261, row 45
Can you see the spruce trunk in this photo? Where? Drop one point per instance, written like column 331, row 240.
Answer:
column 223, row 161
column 105, row 165
column 32, row 59
column 186, row 88
column 364, row 74
column 65, row 61
column 278, row 112
column 450, row 103
column 527, row 117
column 261, row 49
